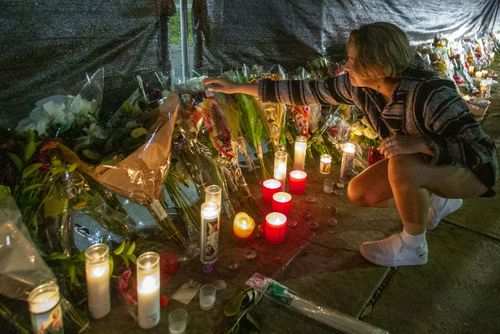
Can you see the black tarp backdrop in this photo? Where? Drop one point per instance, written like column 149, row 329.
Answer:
column 291, row 32
column 48, row 46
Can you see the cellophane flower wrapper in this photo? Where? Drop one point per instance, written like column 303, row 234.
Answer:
column 252, row 125
column 282, row 295
column 208, row 148
column 70, row 116
column 140, row 175
column 22, row 268
column 273, row 115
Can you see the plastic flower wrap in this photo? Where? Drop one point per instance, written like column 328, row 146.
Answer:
column 208, row 149
column 140, row 175
column 272, row 114
column 22, row 268
column 56, row 115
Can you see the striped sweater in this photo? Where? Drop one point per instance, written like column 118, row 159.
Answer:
column 423, row 104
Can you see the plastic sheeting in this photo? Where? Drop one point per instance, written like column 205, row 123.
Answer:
column 49, row 45
column 292, row 32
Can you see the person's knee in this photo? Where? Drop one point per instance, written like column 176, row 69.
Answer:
column 403, row 170
column 356, row 193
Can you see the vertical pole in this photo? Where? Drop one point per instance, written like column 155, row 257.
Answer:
column 184, row 40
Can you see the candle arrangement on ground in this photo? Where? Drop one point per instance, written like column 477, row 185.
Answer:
column 243, row 225
column 209, row 247
column 299, row 156
column 269, row 188
column 280, row 159
column 45, row 308
column 297, row 182
column 97, row 273
column 275, row 228
column 348, row 151
column 148, row 290
column 282, row 202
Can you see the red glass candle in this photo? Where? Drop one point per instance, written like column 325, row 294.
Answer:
column 275, row 228
column 282, row 202
column 297, row 182
column 269, row 188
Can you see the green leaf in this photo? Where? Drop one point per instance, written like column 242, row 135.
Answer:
column 29, row 150
column 56, row 256
column 131, row 249
column 72, row 273
column 120, row 248
column 16, row 160
column 32, row 187
column 133, row 258
column 28, row 170
column 111, row 265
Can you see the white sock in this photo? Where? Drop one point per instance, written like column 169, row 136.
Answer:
column 414, row 241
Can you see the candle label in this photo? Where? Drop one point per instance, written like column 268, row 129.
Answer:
column 209, row 240
column 325, row 167
column 50, row 322
column 346, row 166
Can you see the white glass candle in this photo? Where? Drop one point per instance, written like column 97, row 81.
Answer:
column 148, row 289
column 325, row 164
column 97, row 274
column 209, row 238
column 213, row 193
column 299, row 156
column 348, row 151
column 280, row 158
column 45, row 308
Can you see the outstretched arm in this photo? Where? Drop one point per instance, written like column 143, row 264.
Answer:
column 224, row 86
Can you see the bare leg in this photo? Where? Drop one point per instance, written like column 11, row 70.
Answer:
column 406, row 178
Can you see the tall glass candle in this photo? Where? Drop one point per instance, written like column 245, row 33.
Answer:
column 280, row 167
column 213, row 193
column 45, row 309
column 282, row 202
column 97, row 274
column 148, row 289
column 297, row 182
column 243, row 225
column 269, row 188
column 299, row 156
column 275, row 228
column 209, row 238
column 348, row 151
column 325, row 164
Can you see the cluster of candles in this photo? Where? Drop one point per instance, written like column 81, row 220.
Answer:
column 44, row 300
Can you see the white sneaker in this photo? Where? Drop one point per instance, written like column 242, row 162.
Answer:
column 393, row 252
column 439, row 208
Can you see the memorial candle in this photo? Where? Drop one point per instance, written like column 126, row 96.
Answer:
column 45, row 308
column 297, row 182
column 243, row 225
column 269, row 188
column 280, row 158
column 275, row 228
column 325, row 164
column 97, row 274
column 148, row 289
column 209, row 238
column 282, row 202
column 299, row 156
column 347, row 159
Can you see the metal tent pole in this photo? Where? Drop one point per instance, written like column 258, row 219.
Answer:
column 184, row 40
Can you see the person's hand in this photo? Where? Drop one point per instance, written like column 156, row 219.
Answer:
column 220, row 86
column 398, row 144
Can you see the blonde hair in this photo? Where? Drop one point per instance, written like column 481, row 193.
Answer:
column 381, row 48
